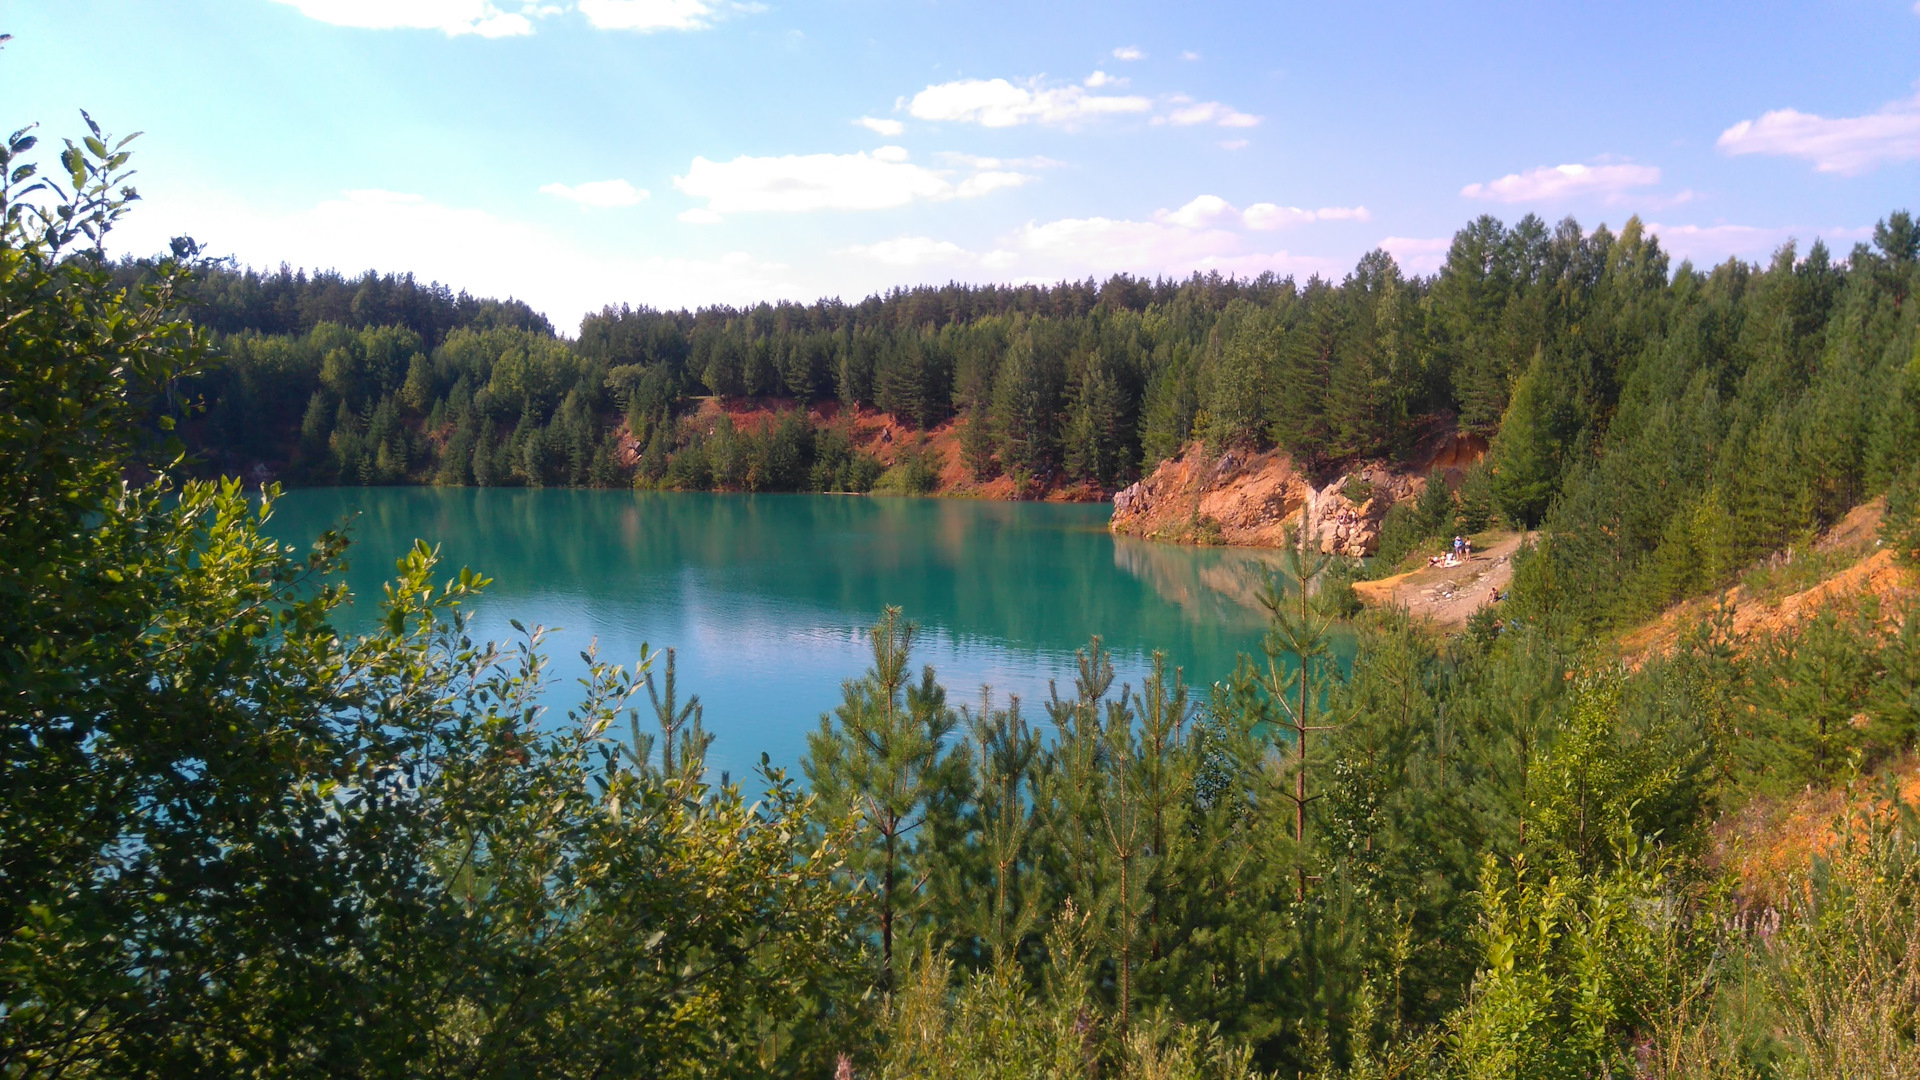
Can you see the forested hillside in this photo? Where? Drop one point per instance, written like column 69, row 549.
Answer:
column 235, row 842
column 1635, row 405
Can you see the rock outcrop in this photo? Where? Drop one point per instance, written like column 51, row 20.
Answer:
column 1245, row 498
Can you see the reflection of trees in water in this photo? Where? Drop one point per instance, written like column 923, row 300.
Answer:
column 1036, row 577
column 1205, row 582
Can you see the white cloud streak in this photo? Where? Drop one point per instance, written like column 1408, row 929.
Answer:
column 1714, row 244
column 1188, row 114
column 805, row 183
column 1129, row 52
column 912, row 252
column 882, row 126
column 1564, row 181
column 599, row 194
column 997, row 103
column 1208, row 233
column 647, row 16
column 397, row 232
column 515, row 18
column 1212, row 210
column 1846, row 145
column 451, row 17
column 489, row 255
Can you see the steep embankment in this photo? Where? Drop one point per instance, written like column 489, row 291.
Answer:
column 1245, row 498
column 1846, row 565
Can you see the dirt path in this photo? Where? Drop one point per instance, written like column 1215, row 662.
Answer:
column 1447, row 595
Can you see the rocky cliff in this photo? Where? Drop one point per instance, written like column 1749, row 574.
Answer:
column 1246, row 498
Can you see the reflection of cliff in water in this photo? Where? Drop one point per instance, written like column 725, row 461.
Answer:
column 1213, row 584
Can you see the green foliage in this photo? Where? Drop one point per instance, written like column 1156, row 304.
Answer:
column 915, row 471
column 1476, row 512
column 989, row 1026
column 241, row 844
column 236, row 842
column 1900, row 527
column 1574, row 965
column 878, row 764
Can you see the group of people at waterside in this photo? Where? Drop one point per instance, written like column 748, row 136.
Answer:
column 1462, row 551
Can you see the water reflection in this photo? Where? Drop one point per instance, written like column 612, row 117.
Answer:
column 765, row 597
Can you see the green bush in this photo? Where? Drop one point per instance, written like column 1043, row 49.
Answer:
column 916, row 471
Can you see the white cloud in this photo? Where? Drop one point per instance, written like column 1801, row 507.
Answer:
column 1564, row 181
column 512, row 18
column 1266, row 216
column 1078, row 246
column 647, row 16
column 1187, row 114
column 1204, row 211
column 1189, row 55
column 882, row 126
column 804, row 183
column 396, row 232
column 1205, row 234
column 1234, row 144
column 1418, row 255
column 1004, row 103
column 1210, row 211
column 913, row 251
column 983, row 182
column 1129, row 52
column 1343, row 213
column 971, row 161
column 598, row 193
column 451, row 17
column 565, row 275
column 1847, row 145
column 998, row 103
column 1713, row 244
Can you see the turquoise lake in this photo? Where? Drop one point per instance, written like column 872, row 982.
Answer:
column 766, row 597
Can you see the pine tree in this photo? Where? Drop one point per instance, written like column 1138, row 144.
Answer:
column 1525, row 454
column 1300, row 629
column 1298, row 410
column 1434, row 509
column 1236, row 377
column 1093, row 440
column 1023, row 413
column 880, row 761
column 1168, row 413
column 1001, row 906
column 977, row 444
column 418, row 392
column 683, row 740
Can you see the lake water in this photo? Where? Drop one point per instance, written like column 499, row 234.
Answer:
column 765, row 597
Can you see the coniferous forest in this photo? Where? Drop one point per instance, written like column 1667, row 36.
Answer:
column 235, row 842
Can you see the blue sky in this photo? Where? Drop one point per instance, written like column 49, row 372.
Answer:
column 577, row 153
